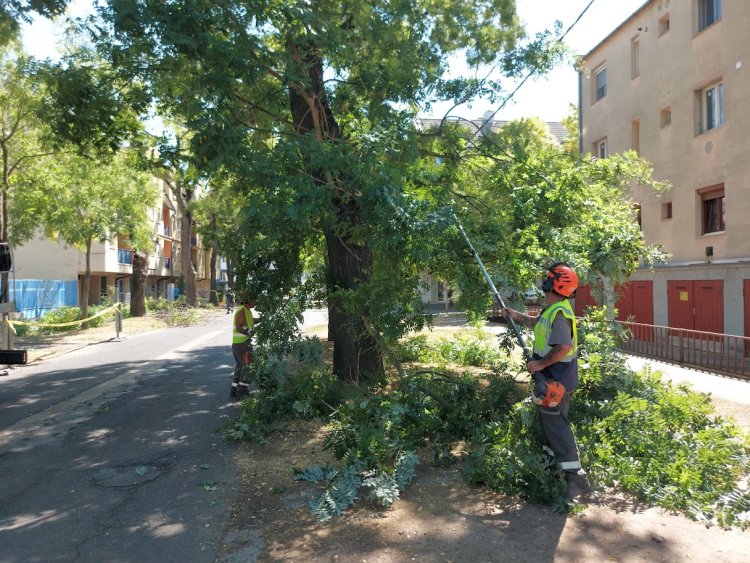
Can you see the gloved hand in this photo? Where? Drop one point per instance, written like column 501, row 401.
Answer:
column 540, row 385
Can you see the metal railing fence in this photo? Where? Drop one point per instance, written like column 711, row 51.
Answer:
column 709, row 351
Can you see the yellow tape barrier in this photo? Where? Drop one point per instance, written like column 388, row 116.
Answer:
column 72, row 323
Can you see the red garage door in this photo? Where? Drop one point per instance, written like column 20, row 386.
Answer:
column 636, row 302
column 696, row 305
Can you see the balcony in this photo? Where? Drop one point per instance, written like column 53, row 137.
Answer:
column 124, row 256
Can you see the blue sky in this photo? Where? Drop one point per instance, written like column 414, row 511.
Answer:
column 548, row 97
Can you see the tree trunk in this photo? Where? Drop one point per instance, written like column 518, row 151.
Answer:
column 138, row 290
column 186, row 262
column 182, row 195
column 356, row 355
column 230, row 273
column 355, row 352
column 86, row 287
column 213, row 297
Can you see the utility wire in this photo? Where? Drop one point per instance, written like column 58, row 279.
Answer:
column 532, row 72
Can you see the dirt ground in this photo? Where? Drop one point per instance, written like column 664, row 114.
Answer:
column 441, row 518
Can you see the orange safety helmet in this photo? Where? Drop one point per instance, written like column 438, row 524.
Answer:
column 561, row 279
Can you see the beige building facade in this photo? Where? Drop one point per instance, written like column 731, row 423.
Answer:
column 672, row 82
column 48, row 274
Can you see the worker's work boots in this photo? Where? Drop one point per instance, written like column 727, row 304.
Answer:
column 578, row 486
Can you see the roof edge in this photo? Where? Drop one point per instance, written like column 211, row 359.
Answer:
column 619, row 27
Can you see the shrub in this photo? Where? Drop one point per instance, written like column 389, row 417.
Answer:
column 59, row 316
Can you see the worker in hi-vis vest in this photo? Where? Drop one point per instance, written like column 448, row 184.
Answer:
column 243, row 327
column 554, row 366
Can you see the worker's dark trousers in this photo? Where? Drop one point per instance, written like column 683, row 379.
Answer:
column 238, row 351
column 559, row 435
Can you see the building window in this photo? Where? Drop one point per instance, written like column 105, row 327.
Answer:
column 663, row 24
column 711, row 107
column 635, row 58
column 638, row 215
column 635, row 135
column 666, row 210
column 600, row 83
column 665, row 117
column 600, row 148
column 712, row 210
column 124, row 256
column 709, row 12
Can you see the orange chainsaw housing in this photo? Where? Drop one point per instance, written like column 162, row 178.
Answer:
column 555, row 394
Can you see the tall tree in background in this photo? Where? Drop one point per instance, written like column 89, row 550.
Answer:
column 92, row 201
column 24, row 150
column 171, row 164
column 310, row 106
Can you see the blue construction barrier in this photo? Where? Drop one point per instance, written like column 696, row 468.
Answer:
column 34, row 298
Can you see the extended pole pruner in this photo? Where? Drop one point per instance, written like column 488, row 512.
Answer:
column 495, row 293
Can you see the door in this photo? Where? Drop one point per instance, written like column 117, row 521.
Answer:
column 709, row 305
column 680, row 304
column 696, row 305
column 643, row 301
column 636, row 303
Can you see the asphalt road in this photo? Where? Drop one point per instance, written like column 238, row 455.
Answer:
column 115, row 452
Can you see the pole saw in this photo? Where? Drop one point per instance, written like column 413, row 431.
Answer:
column 547, row 392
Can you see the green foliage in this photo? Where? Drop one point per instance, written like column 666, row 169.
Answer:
column 285, row 389
column 70, row 314
column 667, row 446
column 636, row 432
column 174, row 313
column 474, row 349
column 15, row 12
column 509, row 456
column 379, row 435
column 59, row 316
column 315, row 473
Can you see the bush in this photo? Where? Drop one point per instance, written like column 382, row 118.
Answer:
column 307, row 391
column 59, row 316
column 174, row 313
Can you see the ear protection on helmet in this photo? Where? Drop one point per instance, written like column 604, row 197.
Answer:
column 560, row 279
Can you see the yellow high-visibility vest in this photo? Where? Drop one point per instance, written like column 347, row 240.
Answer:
column 543, row 328
column 237, row 336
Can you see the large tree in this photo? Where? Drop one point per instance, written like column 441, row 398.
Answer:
column 309, row 106
column 89, row 201
column 24, row 150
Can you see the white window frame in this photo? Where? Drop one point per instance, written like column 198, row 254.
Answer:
column 600, row 91
column 712, row 106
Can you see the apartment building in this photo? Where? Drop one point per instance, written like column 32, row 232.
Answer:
column 49, row 274
column 672, row 82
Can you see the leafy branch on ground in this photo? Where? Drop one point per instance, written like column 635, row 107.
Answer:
column 637, row 433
